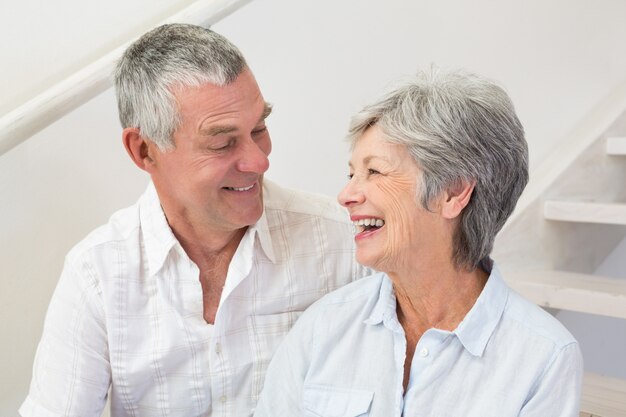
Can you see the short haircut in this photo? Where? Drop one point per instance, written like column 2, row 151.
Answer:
column 457, row 126
column 166, row 58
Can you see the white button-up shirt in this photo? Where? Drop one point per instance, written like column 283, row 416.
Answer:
column 127, row 313
column 345, row 357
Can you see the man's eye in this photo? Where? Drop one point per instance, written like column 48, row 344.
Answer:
column 223, row 146
column 259, row 130
column 372, row 171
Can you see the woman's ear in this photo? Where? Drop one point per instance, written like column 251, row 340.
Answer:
column 139, row 149
column 456, row 198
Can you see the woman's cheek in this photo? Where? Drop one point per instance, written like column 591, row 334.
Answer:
column 399, row 221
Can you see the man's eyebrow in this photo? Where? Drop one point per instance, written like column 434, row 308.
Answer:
column 220, row 130
column 267, row 110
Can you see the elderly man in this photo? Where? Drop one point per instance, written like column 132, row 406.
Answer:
column 176, row 305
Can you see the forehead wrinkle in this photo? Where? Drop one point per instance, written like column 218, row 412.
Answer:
column 225, row 129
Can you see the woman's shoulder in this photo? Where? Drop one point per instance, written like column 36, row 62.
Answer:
column 365, row 287
column 354, row 300
column 520, row 320
column 537, row 321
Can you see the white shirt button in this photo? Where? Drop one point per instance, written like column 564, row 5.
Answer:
column 218, row 348
column 424, row 352
column 223, row 399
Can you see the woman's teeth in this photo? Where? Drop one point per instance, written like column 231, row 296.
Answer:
column 365, row 224
column 369, row 222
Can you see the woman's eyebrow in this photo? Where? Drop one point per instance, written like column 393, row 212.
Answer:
column 368, row 159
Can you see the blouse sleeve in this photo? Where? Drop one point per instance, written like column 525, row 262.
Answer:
column 557, row 392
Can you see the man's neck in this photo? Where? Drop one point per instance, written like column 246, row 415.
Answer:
column 204, row 246
column 212, row 251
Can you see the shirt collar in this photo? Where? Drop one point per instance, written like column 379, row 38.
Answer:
column 384, row 311
column 476, row 328
column 241, row 264
column 480, row 322
column 159, row 238
column 262, row 230
column 157, row 234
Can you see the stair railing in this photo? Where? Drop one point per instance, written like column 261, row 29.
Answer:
column 55, row 102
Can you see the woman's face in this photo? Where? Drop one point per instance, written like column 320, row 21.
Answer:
column 392, row 228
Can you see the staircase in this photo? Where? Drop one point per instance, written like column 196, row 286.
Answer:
column 573, row 219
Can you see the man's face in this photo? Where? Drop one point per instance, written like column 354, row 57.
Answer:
column 213, row 177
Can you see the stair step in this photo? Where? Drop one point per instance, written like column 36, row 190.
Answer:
column 616, row 146
column 572, row 291
column 603, row 396
column 585, row 212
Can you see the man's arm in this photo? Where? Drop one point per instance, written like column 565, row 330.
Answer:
column 71, row 373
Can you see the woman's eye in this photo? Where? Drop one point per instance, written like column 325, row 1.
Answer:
column 350, row 176
column 371, row 171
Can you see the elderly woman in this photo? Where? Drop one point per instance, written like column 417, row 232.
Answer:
column 437, row 166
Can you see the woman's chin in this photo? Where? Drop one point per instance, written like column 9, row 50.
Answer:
column 367, row 259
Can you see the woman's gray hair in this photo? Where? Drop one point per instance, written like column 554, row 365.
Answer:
column 458, row 127
column 169, row 57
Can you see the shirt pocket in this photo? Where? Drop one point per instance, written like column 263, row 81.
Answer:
column 265, row 334
column 325, row 401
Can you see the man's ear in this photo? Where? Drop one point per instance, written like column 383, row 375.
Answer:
column 456, row 198
column 139, row 149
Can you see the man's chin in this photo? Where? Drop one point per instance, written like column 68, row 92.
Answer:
column 251, row 217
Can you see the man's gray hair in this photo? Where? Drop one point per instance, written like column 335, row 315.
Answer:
column 166, row 58
column 458, row 127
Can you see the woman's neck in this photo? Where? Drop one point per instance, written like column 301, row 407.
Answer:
column 437, row 297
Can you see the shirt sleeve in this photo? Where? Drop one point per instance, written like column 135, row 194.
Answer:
column 71, row 372
column 557, row 393
column 283, row 387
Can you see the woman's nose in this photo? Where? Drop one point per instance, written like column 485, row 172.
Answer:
column 351, row 195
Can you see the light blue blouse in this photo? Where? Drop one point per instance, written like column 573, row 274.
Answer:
column 345, row 357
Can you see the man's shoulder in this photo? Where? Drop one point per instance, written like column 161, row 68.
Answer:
column 121, row 226
column 303, row 203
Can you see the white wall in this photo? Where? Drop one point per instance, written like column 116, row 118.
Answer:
column 57, row 186
column 46, row 41
column 318, row 61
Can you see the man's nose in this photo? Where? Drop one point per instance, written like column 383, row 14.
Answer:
column 253, row 158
